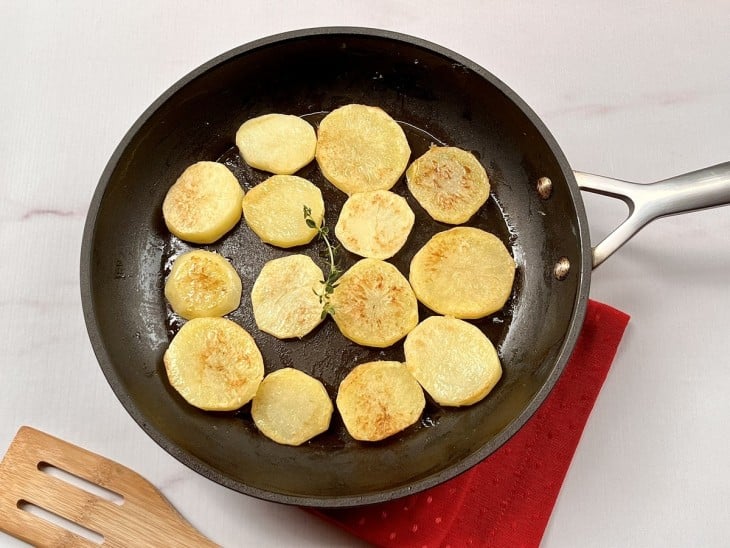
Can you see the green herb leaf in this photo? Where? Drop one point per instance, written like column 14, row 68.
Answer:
column 328, row 284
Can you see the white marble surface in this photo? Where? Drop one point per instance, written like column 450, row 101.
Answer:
column 634, row 90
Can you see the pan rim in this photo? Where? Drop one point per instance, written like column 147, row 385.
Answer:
column 583, row 272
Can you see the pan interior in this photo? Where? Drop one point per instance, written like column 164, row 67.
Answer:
column 439, row 98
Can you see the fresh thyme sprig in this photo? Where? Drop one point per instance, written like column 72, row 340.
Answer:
column 330, row 282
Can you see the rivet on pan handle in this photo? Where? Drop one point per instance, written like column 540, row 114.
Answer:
column 702, row 189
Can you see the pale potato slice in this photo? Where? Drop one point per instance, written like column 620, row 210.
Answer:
column 274, row 210
column 283, row 297
column 214, row 364
column 290, row 407
column 452, row 360
column 361, row 148
column 202, row 284
column 378, row 399
column 374, row 224
column 463, row 272
column 203, row 204
column 373, row 304
column 277, row 143
column 449, row 183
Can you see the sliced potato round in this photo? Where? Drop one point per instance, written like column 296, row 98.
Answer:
column 373, row 304
column 277, row 143
column 290, row 407
column 449, row 183
column 452, row 360
column 274, row 209
column 378, row 399
column 203, row 204
column 283, row 297
column 463, row 272
column 361, row 148
column 374, row 224
column 202, row 284
column 214, row 364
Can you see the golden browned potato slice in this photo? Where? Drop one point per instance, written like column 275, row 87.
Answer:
column 449, row 183
column 202, row 284
column 374, row 224
column 291, row 407
column 214, row 364
column 361, row 148
column 277, row 143
column 379, row 399
column 452, row 360
column 203, row 204
column 373, row 304
column 283, row 297
column 463, row 272
column 274, row 209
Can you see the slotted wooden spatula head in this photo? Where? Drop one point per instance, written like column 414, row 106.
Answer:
column 126, row 510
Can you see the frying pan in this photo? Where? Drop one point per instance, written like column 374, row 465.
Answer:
column 438, row 97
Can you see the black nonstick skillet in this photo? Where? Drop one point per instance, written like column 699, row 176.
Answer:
column 438, row 97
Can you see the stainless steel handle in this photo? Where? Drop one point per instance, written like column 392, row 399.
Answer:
column 702, row 189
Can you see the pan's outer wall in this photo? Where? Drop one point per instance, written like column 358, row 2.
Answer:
column 307, row 72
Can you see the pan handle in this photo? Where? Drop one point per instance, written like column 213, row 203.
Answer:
column 702, row 189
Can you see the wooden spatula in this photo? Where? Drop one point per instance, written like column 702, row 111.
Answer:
column 130, row 511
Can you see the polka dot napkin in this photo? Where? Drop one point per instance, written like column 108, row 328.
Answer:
column 506, row 500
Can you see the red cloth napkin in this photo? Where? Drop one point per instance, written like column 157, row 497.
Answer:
column 506, row 500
